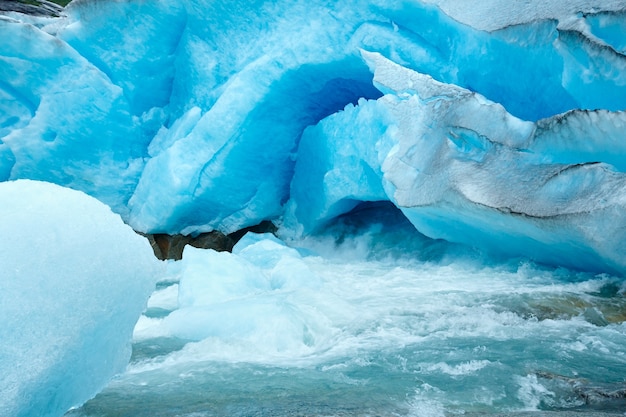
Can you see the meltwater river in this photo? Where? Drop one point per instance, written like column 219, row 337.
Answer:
column 384, row 324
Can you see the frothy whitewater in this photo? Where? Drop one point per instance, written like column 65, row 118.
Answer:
column 373, row 327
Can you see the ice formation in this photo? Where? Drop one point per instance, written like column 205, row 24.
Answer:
column 186, row 117
column 245, row 296
column 75, row 279
column 463, row 169
column 502, row 132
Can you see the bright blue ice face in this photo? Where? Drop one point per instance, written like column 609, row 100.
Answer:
column 609, row 28
column 194, row 116
column 259, row 97
column 133, row 43
column 258, row 144
column 63, row 120
column 338, row 166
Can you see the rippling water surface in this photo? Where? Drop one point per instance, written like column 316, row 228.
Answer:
column 386, row 324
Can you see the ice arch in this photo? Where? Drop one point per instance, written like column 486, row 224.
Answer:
column 237, row 165
column 463, row 169
column 187, row 116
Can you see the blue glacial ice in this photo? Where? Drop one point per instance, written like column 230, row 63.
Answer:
column 75, row 280
column 497, row 128
column 63, row 120
column 188, row 117
column 241, row 100
column 463, row 169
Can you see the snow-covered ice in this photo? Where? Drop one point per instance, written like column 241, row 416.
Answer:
column 463, row 169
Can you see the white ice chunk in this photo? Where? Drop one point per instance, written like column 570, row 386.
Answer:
column 496, row 14
column 75, row 280
column 246, row 297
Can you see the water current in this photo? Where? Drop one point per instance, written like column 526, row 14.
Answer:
column 394, row 324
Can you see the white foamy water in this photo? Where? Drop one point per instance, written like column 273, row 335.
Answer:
column 356, row 330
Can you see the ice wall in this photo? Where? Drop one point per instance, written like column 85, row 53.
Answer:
column 74, row 281
column 252, row 104
column 463, row 169
column 62, row 119
column 255, row 87
column 189, row 116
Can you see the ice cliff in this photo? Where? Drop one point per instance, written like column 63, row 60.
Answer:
column 193, row 116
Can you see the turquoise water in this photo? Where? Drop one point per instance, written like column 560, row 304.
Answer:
column 385, row 333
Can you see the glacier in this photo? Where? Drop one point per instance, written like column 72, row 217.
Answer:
column 75, row 279
column 180, row 124
column 445, row 133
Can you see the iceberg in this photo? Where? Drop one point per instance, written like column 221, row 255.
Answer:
column 244, row 296
column 75, row 281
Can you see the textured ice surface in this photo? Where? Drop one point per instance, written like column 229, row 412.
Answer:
column 74, row 282
column 242, row 295
column 62, row 120
column 187, row 117
column 240, row 123
column 498, row 125
column 496, row 14
column 134, row 44
column 463, row 169
column 609, row 28
column 257, row 87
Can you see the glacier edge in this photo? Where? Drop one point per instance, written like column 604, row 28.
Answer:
column 462, row 169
